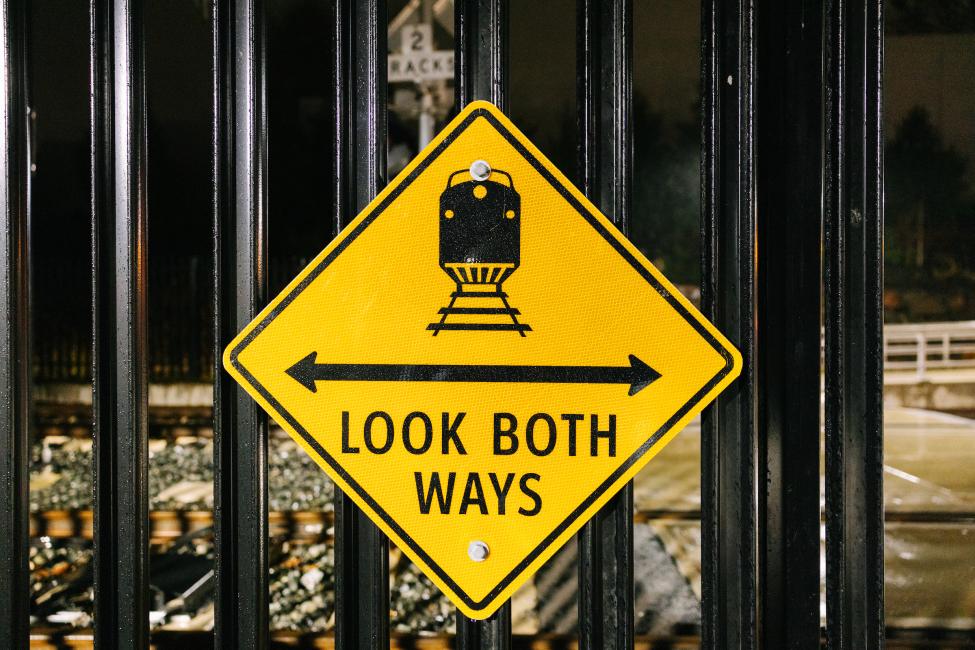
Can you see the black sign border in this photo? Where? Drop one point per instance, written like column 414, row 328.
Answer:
column 604, row 486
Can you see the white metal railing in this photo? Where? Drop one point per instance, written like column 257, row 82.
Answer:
column 923, row 347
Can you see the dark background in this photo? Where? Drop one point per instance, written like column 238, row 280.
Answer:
column 930, row 92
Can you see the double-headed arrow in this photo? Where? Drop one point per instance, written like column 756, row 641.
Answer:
column 638, row 374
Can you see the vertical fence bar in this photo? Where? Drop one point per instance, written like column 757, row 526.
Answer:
column 788, row 194
column 728, row 440
column 491, row 634
column 341, row 124
column 361, row 549
column 481, row 72
column 240, row 281
column 605, row 152
column 854, row 325
column 120, row 370
column 481, row 52
column 15, row 376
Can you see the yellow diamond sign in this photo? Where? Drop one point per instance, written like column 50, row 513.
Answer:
column 481, row 360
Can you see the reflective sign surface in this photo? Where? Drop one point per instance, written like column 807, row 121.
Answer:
column 481, row 360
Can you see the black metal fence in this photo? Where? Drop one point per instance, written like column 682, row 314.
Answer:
column 792, row 194
column 180, row 319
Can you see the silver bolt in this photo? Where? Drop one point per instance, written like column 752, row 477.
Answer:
column 480, row 170
column 478, row 551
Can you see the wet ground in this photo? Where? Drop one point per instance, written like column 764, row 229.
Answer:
column 930, row 502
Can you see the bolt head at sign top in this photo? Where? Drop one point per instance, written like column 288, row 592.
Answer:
column 481, row 360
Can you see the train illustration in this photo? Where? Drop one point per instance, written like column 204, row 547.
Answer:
column 480, row 247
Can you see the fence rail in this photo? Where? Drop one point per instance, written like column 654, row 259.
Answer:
column 920, row 348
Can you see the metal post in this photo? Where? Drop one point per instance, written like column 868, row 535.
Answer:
column 854, row 325
column 728, row 438
column 789, row 223
column 15, row 376
column 481, row 72
column 120, row 369
column 604, row 101
column 427, row 123
column 361, row 549
column 240, row 280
